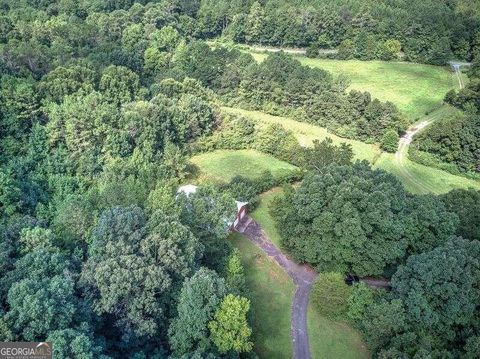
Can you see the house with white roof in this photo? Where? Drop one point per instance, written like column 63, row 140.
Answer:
column 241, row 206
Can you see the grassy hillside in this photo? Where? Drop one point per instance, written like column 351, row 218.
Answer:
column 223, row 165
column 417, row 178
column 423, row 179
column 306, row 133
column 414, row 88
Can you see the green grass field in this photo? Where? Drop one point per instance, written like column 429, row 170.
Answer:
column 223, row 165
column 271, row 294
column 432, row 180
column 261, row 215
column 414, row 88
column 306, row 133
column 417, row 179
column 328, row 339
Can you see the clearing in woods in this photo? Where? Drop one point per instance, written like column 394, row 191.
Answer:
column 414, row 88
column 223, row 165
column 416, row 178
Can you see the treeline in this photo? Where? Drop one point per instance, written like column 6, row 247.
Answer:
column 43, row 35
column 349, row 218
column 431, row 32
column 454, row 143
column 281, row 85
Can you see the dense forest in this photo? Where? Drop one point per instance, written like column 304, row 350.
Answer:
column 430, row 31
column 103, row 102
column 348, row 218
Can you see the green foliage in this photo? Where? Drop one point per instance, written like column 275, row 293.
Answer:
column 36, row 237
column 383, row 320
column 361, row 297
column 325, row 153
column 235, row 274
column 453, row 141
column 133, row 263
column 433, row 295
column 197, row 303
column 330, row 295
column 346, row 50
column 390, row 49
column 119, row 84
column 335, row 216
column 102, row 102
column 209, row 213
column 424, row 284
column 229, row 327
column 41, row 297
column 466, row 204
column 354, row 219
column 390, row 141
column 75, row 344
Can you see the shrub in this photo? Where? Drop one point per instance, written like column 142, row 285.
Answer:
column 390, row 141
column 389, row 49
column 330, row 295
column 312, row 50
column 346, row 50
column 360, row 298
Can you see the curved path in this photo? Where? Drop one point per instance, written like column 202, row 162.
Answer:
column 303, row 277
column 406, row 139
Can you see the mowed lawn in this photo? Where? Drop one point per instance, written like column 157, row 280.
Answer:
column 307, row 133
column 336, row 340
column 271, row 293
column 414, row 88
column 223, row 165
column 422, row 179
column 328, row 339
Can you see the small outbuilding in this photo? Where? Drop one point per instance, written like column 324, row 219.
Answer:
column 241, row 206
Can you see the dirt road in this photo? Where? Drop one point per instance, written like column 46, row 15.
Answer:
column 303, row 277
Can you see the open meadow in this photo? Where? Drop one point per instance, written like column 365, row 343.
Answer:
column 414, row 88
column 223, row 165
column 416, row 178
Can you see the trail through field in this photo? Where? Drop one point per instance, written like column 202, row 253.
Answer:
column 407, row 138
column 303, row 277
column 404, row 144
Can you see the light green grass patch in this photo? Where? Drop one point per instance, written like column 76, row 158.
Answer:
column 335, row 340
column 307, row 133
column 271, row 294
column 262, row 215
column 414, row 88
column 423, row 179
column 417, row 179
column 223, row 165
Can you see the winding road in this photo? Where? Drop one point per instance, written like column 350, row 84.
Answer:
column 303, row 277
column 407, row 138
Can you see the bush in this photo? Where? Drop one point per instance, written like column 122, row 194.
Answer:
column 390, row 49
column 245, row 189
column 346, row 50
column 312, row 50
column 360, row 298
column 390, row 141
column 330, row 295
